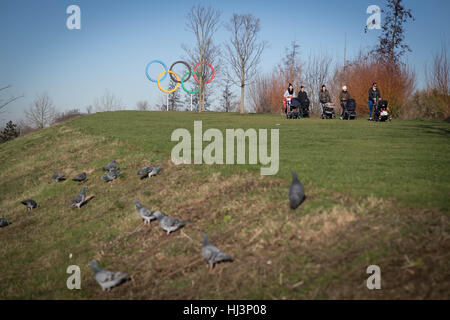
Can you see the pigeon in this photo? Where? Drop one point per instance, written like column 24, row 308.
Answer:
column 212, row 254
column 58, row 177
column 80, row 177
column 144, row 213
column 296, row 192
column 155, row 171
column 31, row 204
column 169, row 224
column 110, row 166
column 80, row 199
column 145, row 171
column 111, row 175
column 3, row 222
column 107, row 279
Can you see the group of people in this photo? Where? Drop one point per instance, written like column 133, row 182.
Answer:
column 325, row 97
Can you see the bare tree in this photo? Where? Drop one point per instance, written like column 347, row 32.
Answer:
column 89, row 109
column 174, row 97
column 438, row 83
column 244, row 50
column 439, row 77
column 317, row 72
column 227, row 101
column 203, row 22
column 142, row 105
column 107, row 102
column 42, row 112
column 290, row 67
column 11, row 99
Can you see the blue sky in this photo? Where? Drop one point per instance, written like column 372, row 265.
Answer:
column 118, row 38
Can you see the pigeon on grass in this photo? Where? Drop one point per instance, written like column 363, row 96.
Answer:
column 3, row 222
column 107, row 279
column 111, row 175
column 169, row 224
column 110, row 166
column 80, row 199
column 144, row 213
column 58, row 177
column 144, row 171
column 155, row 171
column 296, row 192
column 30, row 203
column 80, row 177
column 212, row 254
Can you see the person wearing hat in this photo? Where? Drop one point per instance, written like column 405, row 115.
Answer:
column 343, row 97
column 374, row 97
column 289, row 94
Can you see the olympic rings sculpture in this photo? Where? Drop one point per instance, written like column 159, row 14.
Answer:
column 171, row 73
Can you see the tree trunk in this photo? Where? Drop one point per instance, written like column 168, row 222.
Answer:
column 242, row 97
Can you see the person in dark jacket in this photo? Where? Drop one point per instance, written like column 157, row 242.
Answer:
column 374, row 97
column 324, row 95
column 343, row 97
column 303, row 97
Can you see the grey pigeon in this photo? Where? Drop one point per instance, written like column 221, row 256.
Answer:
column 58, row 177
column 3, row 222
column 80, row 199
column 31, row 204
column 144, row 213
column 111, row 175
column 296, row 192
column 145, row 171
column 212, row 254
column 107, row 279
column 80, row 177
column 110, row 166
column 155, row 171
column 169, row 224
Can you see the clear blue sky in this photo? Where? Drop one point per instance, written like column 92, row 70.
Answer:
column 118, row 38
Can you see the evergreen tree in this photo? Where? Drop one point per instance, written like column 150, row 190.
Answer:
column 391, row 46
column 10, row 132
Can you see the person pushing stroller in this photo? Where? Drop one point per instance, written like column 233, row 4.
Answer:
column 327, row 105
column 374, row 98
column 344, row 96
column 288, row 95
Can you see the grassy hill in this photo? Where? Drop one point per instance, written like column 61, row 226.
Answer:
column 377, row 194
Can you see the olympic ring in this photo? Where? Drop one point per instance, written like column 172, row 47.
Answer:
column 148, row 66
column 213, row 71
column 182, row 62
column 182, row 83
column 167, row 91
column 177, row 81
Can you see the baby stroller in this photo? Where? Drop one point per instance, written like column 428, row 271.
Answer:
column 349, row 110
column 381, row 112
column 292, row 108
column 304, row 108
column 327, row 111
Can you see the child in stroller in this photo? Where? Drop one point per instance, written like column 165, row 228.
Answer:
column 381, row 111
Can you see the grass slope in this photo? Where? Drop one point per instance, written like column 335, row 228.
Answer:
column 377, row 194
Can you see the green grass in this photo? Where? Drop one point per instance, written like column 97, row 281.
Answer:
column 407, row 160
column 377, row 193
